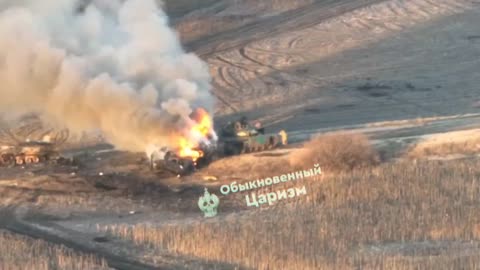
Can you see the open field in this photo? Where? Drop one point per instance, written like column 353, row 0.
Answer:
column 399, row 216
column 395, row 80
column 18, row 252
column 460, row 142
column 392, row 60
column 408, row 214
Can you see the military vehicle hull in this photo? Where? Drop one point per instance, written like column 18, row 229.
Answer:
column 180, row 166
column 29, row 153
column 250, row 144
column 175, row 165
column 35, row 152
column 239, row 137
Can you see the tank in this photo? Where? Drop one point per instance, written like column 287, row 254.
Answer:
column 172, row 163
column 34, row 152
column 240, row 137
column 165, row 159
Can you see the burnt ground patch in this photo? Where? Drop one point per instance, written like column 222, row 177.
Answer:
column 375, row 89
column 387, row 89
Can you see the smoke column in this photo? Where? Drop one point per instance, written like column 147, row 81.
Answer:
column 116, row 67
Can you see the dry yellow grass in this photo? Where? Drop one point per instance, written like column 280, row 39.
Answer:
column 333, row 152
column 20, row 253
column 336, row 152
column 421, row 215
column 458, row 142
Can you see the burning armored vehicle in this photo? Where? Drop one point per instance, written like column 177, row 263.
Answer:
column 188, row 156
column 235, row 138
column 174, row 161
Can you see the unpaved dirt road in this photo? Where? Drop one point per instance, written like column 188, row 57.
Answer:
column 11, row 222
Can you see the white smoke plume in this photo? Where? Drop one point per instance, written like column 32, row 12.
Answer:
column 115, row 66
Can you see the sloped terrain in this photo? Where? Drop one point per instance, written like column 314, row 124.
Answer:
column 388, row 61
column 404, row 72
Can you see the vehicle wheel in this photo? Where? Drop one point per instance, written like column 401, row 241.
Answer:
column 8, row 160
column 19, row 161
column 238, row 149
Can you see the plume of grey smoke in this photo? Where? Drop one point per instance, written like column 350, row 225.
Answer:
column 116, row 66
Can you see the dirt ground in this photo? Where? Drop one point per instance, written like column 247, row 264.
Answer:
column 402, row 72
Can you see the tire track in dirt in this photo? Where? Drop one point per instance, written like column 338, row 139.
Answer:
column 239, row 66
column 303, row 17
column 338, row 7
column 11, row 223
column 271, row 55
column 361, row 23
column 222, row 72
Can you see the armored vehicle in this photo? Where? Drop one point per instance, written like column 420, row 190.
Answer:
column 167, row 160
column 172, row 163
column 240, row 137
column 34, row 152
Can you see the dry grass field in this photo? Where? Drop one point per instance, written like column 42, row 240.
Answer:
column 391, row 69
column 420, row 215
column 459, row 142
column 397, row 215
column 336, row 151
column 19, row 253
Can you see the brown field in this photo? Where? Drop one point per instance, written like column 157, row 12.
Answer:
column 18, row 253
column 403, row 72
column 460, row 142
column 421, row 215
column 334, row 152
column 338, row 151
column 205, row 19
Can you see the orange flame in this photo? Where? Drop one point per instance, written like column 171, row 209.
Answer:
column 201, row 129
column 204, row 122
column 186, row 149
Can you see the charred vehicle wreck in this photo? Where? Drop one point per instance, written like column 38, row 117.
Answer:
column 235, row 138
column 171, row 161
